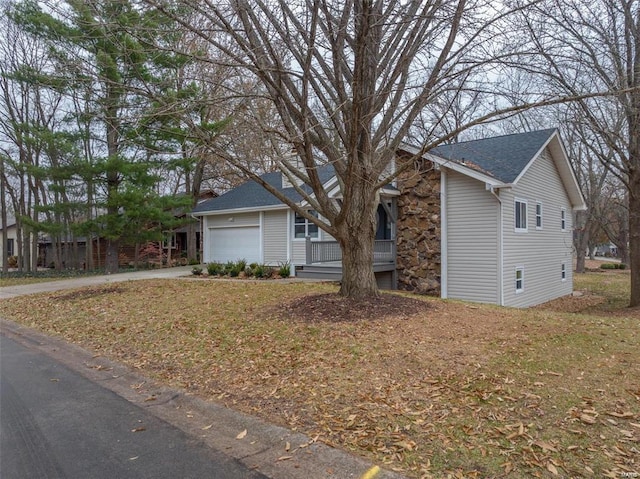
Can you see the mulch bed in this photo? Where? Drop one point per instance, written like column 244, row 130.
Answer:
column 332, row 307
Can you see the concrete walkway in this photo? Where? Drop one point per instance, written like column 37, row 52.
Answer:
column 274, row 451
column 80, row 282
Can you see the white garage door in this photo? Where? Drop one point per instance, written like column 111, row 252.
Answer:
column 232, row 244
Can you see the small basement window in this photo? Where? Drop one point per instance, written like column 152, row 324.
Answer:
column 563, row 219
column 564, row 272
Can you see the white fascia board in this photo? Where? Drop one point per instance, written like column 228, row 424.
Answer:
column 251, row 209
column 465, row 170
column 389, row 192
column 327, row 186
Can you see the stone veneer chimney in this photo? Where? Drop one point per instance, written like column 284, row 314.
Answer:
column 419, row 229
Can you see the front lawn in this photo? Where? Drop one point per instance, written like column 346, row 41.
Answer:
column 456, row 389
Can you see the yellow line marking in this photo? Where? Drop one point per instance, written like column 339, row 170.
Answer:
column 371, row 473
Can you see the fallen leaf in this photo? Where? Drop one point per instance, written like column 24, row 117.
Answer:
column 242, row 435
column 139, row 429
column 207, row 427
column 621, row 415
column 287, row 446
column 545, row 446
column 552, row 469
column 284, row 458
column 585, row 418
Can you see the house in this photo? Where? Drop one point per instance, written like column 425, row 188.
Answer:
column 486, row 220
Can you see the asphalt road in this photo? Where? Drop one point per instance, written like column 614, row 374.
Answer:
column 55, row 423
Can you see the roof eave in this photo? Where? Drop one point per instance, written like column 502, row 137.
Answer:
column 248, row 209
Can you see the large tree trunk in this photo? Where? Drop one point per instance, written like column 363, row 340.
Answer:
column 194, row 227
column 111, row 260
column 634, row 236
column 356, row 235
column 582, row 240
column 3, row 219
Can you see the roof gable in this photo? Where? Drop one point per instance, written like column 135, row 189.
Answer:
column 253, row 195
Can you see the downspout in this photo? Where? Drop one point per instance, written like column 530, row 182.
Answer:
column 292, row 271
column 492, row 189
column 443, row 235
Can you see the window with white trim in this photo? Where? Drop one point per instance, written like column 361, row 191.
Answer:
column 564, row 272
column 302, row 227
column 10, row 247
column 521, row 215
column 538, row 216
column 169, row 240
column 519, row 279
column 563, row 219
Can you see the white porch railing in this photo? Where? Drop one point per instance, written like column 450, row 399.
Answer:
column 384, row 251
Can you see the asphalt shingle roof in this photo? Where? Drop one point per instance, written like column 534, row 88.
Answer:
column 253, row 195
column 502, row 157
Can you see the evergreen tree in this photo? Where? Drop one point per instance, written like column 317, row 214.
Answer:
column 103, row 57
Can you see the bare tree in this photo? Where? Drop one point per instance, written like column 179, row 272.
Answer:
column 594, row 45
column 348, row 80
column 26, row 109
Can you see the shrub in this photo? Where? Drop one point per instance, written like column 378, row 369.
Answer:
column 197, row 270
column 260, row 270
column 241, row 264
column 613, row 266
column 12, row 261
column 193, row 262
column 214, row 269
column 226, row 269
column 285, row 270
column 234, row 271
column 268, row 272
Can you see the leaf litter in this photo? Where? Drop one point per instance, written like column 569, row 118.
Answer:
column 427, row 387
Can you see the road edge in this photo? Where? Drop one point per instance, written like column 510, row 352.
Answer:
column 275, row 451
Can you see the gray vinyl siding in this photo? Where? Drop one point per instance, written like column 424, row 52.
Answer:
column 232, row 220
column 274, row 237
column 472, row 240
column 540, row 252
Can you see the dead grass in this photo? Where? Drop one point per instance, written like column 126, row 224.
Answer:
column 452, row 389
column 19, row 281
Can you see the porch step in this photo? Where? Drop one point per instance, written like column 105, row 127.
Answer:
column 320, row 272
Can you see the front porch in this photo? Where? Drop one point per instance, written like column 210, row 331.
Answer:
column 324, row 261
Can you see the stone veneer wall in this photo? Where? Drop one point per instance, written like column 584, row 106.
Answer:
column 419, row 229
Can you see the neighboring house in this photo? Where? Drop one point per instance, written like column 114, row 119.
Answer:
column 608, row 250
column 8, row 239
column 487, row 220
column 177, row 238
